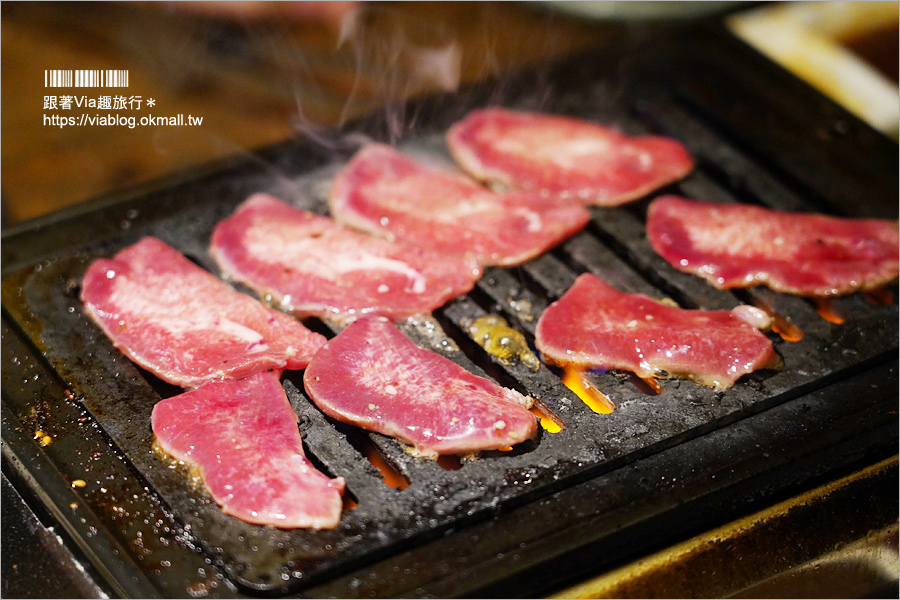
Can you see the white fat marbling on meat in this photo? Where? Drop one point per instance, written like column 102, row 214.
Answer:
column 370, row 262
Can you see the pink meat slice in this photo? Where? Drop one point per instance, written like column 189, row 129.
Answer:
column 185, row 325
column 314, row 266
column 242, row 437
column 393, row 196
column 373, row 376
column 564, row 157
column 594, row 325
column 736, row 245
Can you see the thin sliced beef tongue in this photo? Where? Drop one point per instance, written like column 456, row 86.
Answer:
column 739, row 245
column 315, row 267
column 393, row 196
column 242, row 438
column 185, row 325
column 594, row 325
column 564, row 157
column 373, row 376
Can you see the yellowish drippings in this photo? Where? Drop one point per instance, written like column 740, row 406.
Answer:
column 667, row 302
column 192, row 471
column 494, row 334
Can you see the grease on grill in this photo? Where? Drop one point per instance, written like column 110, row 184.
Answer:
column 44, row 439
column 498, row 339
column 192, row 473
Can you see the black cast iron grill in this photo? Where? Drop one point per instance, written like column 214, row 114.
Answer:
column 512, row 523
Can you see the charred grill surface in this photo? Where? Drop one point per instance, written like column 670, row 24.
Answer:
column 599, row 483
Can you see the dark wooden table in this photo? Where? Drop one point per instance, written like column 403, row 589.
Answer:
column 253, row 82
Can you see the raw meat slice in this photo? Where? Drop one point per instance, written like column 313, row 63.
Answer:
column 391, row 195
column 314, row 266
column 373, row 376
column 737, row 245
column 595, row 325
column 242, row 437
column 183, row 324
column 564, row 157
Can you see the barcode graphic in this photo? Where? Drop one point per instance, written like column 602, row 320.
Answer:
column 86, row 78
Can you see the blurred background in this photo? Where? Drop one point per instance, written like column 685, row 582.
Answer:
column 256, row 73
column 260, row 72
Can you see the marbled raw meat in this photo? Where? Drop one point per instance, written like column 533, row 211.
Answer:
column 183, row 324
column 242, row 438
column 373, row 376
column 564, row 157
column 739, row 245
column 393, row 196
column 595, row 325
column 313, row 266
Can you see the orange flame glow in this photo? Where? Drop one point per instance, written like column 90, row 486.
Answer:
column 392, row 477
column 879, row 296
column 826, row 310
column 787, row 330
column 449, row 462
column 576, row 380
column 653, row 384
column 545, row 421
column 546, row 417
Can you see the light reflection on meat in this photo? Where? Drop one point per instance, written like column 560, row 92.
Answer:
column 373, row 376
column 738, row 245
column 242, row 437
column 185, row 325
column 564, row 157
column 236, row 428
column 314, row 266
column 595, row 325
column 393, row 196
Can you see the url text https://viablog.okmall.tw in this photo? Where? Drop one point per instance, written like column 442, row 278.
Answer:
column 103, row 110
